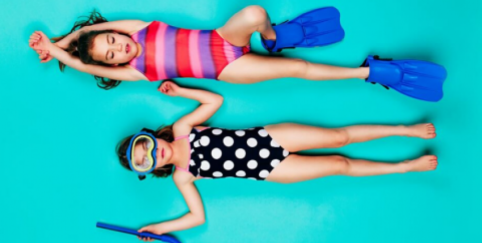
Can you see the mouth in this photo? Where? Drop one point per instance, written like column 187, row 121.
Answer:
column 162, row 153
column 128, row 48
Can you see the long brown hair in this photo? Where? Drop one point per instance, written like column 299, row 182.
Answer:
column 164, row 133
column 80, row 47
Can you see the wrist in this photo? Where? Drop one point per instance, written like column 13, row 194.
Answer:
column 182, row 91
column 161, row 228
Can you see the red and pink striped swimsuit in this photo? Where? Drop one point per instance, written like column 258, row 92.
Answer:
column 170, row 52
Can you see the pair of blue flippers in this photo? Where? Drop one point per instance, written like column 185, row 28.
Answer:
column 418, row 79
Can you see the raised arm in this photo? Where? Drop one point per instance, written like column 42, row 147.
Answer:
column 41, row 42
column 210, row 103
column 122, row 26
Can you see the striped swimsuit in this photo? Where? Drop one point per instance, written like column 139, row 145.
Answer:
column 170, row 52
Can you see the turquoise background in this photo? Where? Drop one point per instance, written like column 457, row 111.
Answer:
column 60, row 174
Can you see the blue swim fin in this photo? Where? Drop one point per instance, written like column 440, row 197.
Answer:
column 318, row 27
column 418, row 79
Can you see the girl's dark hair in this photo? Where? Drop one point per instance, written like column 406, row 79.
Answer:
column 164, row 133
column 81, row 47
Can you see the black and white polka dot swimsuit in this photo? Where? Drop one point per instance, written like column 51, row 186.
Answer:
column 218, row 153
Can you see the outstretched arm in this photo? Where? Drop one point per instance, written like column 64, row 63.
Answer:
column 193, row 218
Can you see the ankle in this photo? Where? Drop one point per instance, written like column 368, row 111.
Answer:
column 364, row 72
column 269, row 35
column 404, row 167
column 405, row 131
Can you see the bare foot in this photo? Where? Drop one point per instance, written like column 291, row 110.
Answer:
column 426, row 131
column 424, row 163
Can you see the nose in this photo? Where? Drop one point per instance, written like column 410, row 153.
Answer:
column 118, row 47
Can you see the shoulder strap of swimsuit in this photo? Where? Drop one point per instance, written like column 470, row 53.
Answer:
column 181, row 137
column 181, row 168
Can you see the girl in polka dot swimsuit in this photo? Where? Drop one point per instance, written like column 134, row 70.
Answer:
column 261, row 153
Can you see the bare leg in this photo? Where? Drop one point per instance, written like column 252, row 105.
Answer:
column 297, row 168
column 296, row 137
column 252, row 68
column 239, row 28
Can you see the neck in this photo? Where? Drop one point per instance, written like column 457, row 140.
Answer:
column 176, row 156
column 139, row 49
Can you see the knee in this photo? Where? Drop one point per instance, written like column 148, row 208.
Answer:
column 255, row 14
column 343, row 165
column 341, row 138
column 299, row 68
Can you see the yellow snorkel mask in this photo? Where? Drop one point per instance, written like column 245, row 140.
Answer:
column 149, row 161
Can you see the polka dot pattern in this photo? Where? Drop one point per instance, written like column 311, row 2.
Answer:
column 263, row 133
column 216, row 153
column 221, row 153
column 228, row 165
column 263, row 173
column 274, row 144
column 205, row 165
column 228, row 141
column 252, row 142
column 205, row 141
column 252, row 164
column 264, row 153
column 240, row 153
column 275, row 163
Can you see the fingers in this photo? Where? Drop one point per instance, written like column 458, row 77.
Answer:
column 145, row 238
column 142, row 229
column 35, row 37
column 165, row 87
column 47, row 59
column 32, row 42
column 40, row 34
column 43, row 54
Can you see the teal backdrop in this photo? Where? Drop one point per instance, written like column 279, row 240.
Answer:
column 59, row 172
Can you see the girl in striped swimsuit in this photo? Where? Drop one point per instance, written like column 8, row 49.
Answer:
column 133, row 50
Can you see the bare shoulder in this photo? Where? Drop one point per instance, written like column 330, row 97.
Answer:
column 182, row 178
column 139, row 25
column 181, row 129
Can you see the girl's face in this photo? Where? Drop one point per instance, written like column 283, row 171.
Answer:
column 163, row 152
column 113, row 48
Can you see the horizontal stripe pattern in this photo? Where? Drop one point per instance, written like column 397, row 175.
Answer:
column 170, row 52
